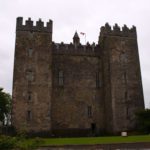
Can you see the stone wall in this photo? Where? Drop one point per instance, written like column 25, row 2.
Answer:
column 71, row 101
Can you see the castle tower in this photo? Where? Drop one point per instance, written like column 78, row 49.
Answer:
column 32, row 82
column 123, row 94
column 76, row 39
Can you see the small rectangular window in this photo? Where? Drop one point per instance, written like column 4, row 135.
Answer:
column 30, row 52
column 61, row 78
column 89, row 109
column 29, row 75
column 123, row 57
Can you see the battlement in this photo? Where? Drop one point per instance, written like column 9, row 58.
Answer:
column 88, row 49
column 117, row 31
column 39, row 27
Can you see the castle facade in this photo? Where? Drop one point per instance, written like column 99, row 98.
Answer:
column 75, row 89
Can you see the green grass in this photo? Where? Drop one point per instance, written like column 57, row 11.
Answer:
column 95, row 140
column 22, row 143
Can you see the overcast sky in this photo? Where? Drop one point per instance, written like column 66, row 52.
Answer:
column 71, row 15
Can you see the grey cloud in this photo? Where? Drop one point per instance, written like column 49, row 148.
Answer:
column 70, row 15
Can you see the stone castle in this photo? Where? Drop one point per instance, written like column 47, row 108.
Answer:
column 75, row 89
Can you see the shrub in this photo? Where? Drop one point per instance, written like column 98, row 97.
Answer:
column 21, row 143
column 143, row 118
column 7, row 143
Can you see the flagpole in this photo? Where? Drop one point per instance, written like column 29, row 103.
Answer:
column 84, row 34
column 85, row 38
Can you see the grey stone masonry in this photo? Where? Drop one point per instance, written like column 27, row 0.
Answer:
column 62, row 89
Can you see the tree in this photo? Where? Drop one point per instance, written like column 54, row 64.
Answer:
column 5, row 105
column 143, row 118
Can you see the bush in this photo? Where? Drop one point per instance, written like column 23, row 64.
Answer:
column 143, row 121
column 21, row 143
column 7, row 142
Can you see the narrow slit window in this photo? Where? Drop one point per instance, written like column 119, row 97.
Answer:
column 29, row 115
column 61, row 78
column 127, row 112
column 126, row 95
column 125, row 77
column 29, row 96
column 89, row 110
column 97, row 80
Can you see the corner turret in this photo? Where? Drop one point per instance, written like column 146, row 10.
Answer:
column 76, row 39
column 117, row 31
column 39, row 27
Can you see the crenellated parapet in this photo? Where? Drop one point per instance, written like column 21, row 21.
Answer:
column 117, row 31
column 39, row 27
column 88, row 49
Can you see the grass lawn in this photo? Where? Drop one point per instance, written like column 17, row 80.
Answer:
column 95, row 140
column 22, row 143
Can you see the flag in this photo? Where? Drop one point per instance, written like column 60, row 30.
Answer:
column 82, row 33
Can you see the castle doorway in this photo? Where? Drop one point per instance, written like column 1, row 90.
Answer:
column 93, row 127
